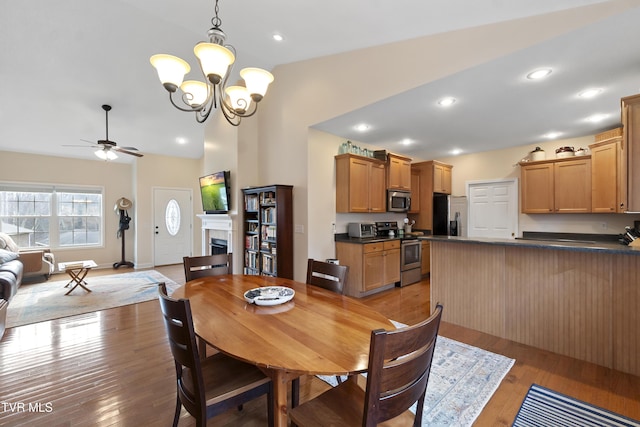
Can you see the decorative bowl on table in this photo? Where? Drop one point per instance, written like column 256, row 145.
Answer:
column 269, row 295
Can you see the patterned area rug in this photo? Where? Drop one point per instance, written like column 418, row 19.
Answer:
column 544, row 407
column 462, row 380
column 38, row 302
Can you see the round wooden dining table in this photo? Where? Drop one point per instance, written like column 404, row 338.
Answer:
column 317, row 332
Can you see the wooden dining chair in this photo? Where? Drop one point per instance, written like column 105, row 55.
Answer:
column 211, row 386
column 196, row 267
column 326, row 275
column 332, row 277
column 399, row 366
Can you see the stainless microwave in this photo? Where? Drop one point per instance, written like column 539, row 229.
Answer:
column 398, row 201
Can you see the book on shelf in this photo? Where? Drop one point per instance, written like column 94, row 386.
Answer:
column 251, row 202
column 269, row 232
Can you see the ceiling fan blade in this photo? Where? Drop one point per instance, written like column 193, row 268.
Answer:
column 130, row 148
column 90, row 142
column 122, row 150
column 83, row 146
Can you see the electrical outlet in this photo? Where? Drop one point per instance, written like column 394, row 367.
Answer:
column 603, row 225
column 299, row 228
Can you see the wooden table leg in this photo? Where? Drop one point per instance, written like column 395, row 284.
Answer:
column 280, row 379
column 77, row 278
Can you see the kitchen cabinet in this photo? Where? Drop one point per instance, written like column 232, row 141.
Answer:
column 415, row 190
column 360, row 184
column 631, row 150
column 398, row 172
column 608, row 177
column 441, row 178
column 556, row 186
column 425, row 268
column 433, row 177
column 373, row 267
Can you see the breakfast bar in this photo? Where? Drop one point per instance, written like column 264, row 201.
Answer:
column 578, row 299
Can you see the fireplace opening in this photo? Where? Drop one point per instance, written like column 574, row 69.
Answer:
column 218, row 246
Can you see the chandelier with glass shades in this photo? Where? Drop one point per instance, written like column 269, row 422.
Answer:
column 216, row 61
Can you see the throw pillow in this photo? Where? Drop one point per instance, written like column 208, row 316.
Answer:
column 6, row 256
column 7, row 243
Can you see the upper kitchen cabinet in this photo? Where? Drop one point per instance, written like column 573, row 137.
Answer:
column 441, row 178
column 398, row 172
column 360, row 184
column 631, row 147
column 608, row 173
column 432, row 177
column 556, row 186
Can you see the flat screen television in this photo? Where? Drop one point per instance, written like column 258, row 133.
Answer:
column 215, row 190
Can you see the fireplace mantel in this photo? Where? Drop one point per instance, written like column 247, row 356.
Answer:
column 218, row 226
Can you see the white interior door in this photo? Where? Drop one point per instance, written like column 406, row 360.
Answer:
column 493, row 208
column 173, row 213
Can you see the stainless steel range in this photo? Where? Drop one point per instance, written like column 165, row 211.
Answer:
column 410, row 252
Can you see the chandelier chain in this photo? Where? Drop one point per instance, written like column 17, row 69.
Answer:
column 216, row 21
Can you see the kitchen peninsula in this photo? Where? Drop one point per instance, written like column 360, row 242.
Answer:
column 579, row 299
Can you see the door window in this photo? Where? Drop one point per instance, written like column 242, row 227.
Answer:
column 172, row 217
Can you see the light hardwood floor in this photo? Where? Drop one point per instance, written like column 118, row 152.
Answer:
column 114, row 368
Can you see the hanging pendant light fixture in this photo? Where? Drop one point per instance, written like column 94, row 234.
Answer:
column 216, row 61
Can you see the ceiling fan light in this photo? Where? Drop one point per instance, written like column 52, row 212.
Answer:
column 257, row 81
column 196, row 92
column 105, row 154
column 239, row 98
column 214, row 60
column 171, row 70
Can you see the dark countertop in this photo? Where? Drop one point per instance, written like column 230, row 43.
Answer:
column 585, row 245
column 344, row 238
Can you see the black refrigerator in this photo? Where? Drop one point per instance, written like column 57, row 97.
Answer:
column 440, row 214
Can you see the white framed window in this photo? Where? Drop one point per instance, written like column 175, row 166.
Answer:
column 53, row 216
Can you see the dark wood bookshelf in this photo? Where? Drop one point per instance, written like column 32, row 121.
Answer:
column 268, row 230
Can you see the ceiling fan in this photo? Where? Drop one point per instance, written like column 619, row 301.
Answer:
column 107, row 147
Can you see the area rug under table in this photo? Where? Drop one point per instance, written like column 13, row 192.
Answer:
column 462, row 380
column 545, row 407
column 37, row 302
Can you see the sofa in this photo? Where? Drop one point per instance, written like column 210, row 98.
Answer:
column 16, row 264
column 10, row 280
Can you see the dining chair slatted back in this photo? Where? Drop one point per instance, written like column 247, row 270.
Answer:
column 182, row 341
column 397, row 377
column 208, row 387
column 208, row 265
column 399, row 367
column 328, row 276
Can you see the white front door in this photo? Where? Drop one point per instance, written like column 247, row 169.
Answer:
column 493, row 208
column 173, row 213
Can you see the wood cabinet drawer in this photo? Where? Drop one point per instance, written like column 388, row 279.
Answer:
column 394, row 244
column 373, row 247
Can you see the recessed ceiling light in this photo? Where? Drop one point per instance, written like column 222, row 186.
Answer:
column 278, row 37
column 590, row 93
column 552, row 135
column 406, row 141
column 180, row 140
column 447, row 101
column 456, row 151
column 362, row 127
column 597, row 118
column 539, row 74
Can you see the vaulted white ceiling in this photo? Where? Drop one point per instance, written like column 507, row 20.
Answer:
column 62, row 60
